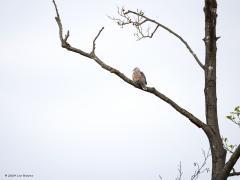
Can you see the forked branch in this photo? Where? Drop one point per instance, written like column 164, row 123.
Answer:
column 94, row 57
column 234, row 173
column 180, row 172
column 64, row 42
column 141, row 19
column 201, row 168
column 232, row 161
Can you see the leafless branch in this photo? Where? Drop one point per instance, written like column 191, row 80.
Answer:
column 94, row 41
column 232, row 160
column 142, row 19
column 234, row 173
column 64, row 42
column 58, row 20
column 179, row 177
column 201, row 168
column 151, row 90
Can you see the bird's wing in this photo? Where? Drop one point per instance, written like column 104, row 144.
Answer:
column 143, row 76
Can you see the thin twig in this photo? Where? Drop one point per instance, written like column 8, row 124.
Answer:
column 179, row 177
column 160, row 177
column 125, row 14
column 64, row 42
column 201, row 169
column 234, row 174
column 94, row 41
column 66, row 36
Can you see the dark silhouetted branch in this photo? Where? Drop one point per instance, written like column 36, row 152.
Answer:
column 232, row 160
column 234, row 173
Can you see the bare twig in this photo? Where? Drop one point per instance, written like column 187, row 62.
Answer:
column 201, row 168
column 179, row 177
column 66, row 36
column 57, row 18
column 137, row 23
column 234, row 173
column 64, row 42
column 151, row 90
column 94, row 41
column 142, row 35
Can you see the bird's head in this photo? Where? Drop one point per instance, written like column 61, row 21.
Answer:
column 136, row 69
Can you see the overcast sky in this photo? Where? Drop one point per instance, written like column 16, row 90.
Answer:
column 63, row 117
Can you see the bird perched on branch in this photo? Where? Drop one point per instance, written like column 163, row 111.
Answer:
column 139, row 78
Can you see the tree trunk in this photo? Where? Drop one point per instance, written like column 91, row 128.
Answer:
column 215, row 140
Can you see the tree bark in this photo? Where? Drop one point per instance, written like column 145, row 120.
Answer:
column 215, row 140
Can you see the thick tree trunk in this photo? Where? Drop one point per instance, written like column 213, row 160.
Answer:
column 217, row 150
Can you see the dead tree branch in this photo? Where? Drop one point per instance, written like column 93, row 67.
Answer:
column 94, row 57
column 142, row 19
column 94, row 41
column 179, row 177
column 201, row 168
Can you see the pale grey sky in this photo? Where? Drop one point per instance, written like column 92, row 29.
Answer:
column 63, row 117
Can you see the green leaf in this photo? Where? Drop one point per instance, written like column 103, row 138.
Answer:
column 229, row 117
column 237, row 109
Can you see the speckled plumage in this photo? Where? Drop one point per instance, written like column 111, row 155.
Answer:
column 139, row 77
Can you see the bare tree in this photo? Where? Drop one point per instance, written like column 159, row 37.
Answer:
column 221, row 167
